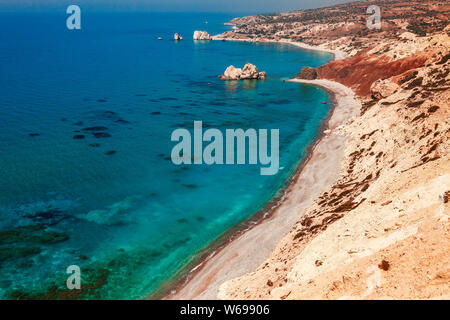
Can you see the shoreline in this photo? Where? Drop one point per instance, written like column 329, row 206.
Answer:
column 238, row 230
column 182, row 278
column 337, row 54
column 228, row 257
column 169, row 289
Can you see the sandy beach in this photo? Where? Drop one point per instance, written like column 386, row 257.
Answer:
column 338, row 55
column 249, row 250
column 371, row 197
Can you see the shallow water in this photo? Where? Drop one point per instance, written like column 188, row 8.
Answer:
column 93, row 184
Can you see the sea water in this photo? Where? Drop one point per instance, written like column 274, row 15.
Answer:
column 86, row 118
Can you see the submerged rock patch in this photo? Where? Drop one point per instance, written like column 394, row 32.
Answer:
column 95, row 129
column 100, row 135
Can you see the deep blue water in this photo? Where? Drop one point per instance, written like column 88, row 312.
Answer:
column 131, row 219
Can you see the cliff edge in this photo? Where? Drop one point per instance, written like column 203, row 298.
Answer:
column 382, row 229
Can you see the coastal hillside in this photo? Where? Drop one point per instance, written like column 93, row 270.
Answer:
column 382, row 229
column 344, row 26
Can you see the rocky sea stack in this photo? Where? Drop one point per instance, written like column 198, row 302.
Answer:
column 177, row 37
column 201, row 35
column 248, row 72
column 307, row 73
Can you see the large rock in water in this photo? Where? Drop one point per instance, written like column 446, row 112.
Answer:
column 307, row 73
column 248, row 72
column 232, row 73
column 201, row 35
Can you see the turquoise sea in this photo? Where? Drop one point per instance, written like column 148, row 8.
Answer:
column 85, row 123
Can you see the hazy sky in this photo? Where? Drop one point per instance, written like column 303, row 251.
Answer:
column 251, row 6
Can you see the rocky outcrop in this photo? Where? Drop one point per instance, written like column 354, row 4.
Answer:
column 383, row 88
column 201, row 35
column 249, row 71
column 177, row 37
column 374, row 67
column 231, row 73
column 307, row 73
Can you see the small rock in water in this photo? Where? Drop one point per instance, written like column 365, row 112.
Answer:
column 155, row 113
column 94, row 145
column 101, row 100
column 34, row 134
column 177, row 37
column 78, row 137
column 110, row 153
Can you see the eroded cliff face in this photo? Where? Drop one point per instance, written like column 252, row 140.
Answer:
column 382, row 230
column 384, row 61
column 385, row 218
column 361, row 71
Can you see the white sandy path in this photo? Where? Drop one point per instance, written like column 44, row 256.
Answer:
column 249, row 250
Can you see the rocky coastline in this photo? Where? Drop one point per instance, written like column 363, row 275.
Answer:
column 384, row 214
